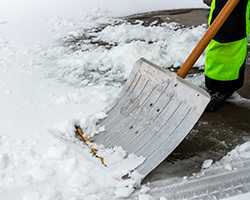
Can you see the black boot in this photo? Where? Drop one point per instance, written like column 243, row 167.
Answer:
column 217, row 100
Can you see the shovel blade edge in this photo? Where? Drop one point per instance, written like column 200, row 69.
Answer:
column 153, row 113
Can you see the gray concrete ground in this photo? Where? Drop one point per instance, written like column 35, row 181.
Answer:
column 215, row 133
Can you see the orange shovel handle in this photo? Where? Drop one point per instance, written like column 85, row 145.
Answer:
column 208, row 36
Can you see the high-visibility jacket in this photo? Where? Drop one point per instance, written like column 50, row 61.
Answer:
column 226, row 53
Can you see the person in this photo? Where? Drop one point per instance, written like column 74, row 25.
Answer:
column 226, row 53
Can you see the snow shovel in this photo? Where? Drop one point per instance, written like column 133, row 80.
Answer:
column 156, row 109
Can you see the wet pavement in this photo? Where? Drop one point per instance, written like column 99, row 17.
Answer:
column 215, row 134
column 186, row 17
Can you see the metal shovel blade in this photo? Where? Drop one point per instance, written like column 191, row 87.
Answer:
column 154, row 112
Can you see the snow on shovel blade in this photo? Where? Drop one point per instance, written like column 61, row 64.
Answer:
column 154, row 112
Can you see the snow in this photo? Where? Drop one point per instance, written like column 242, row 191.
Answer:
column 239, row 197
column 237, row 99
column 207, row 163
column 48, row 84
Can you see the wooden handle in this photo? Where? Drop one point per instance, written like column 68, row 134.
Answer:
column 208, row 36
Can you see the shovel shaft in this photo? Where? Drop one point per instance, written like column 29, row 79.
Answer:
column 208, row 36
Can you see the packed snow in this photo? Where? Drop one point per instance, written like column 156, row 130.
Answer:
column 62, row 63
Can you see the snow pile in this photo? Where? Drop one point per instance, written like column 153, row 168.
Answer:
column 38, row 170
column 33, row 164
column 116, row 159
column 90, row 124
column 102, row 49
column 236, row 159
column 241, row 152
column 237, row 99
